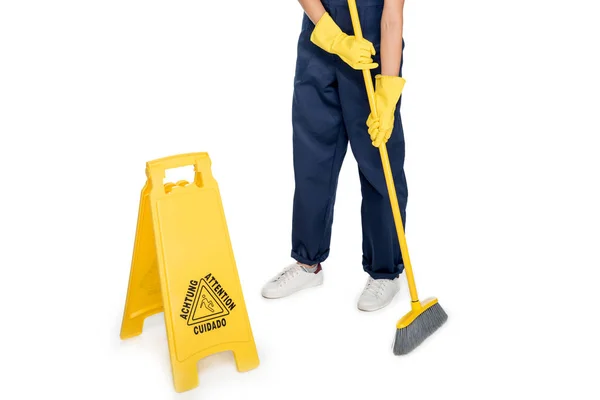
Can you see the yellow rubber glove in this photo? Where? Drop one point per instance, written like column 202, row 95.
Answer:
column 353, row 51
column 387, row 93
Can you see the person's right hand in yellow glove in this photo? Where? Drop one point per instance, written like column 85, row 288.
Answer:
column 353, row 51
column 387, row 93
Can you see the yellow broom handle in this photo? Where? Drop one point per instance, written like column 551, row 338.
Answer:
column 387, row 170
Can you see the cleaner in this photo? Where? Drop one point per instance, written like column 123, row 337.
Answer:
column 331, row 109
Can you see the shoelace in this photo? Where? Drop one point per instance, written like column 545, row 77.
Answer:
column 376, row 287
column 287, row 274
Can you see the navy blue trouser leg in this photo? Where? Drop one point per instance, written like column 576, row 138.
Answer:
column 331, row 108
column 320, row 143
column 382, row 257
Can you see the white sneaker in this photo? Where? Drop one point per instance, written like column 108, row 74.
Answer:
column 293, row 278
column 378, row 293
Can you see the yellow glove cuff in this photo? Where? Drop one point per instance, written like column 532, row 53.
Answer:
column 326, row 33
column 389, row 89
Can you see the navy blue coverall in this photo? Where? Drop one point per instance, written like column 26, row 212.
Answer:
column 330, row 109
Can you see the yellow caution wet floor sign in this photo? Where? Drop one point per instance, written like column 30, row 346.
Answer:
column 183, row 264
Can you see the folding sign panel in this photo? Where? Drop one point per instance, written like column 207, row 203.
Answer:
column 183, row 264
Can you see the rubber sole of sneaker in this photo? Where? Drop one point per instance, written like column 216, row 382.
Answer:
column 313, row 285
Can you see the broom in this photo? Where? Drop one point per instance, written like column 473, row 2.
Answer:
column 427, row 316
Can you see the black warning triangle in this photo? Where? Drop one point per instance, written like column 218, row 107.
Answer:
column 207, row 305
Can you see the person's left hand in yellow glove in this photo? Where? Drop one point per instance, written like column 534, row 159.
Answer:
column 387, row 94
column 388, row 83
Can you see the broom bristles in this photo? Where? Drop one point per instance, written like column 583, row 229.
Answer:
column 408, row 338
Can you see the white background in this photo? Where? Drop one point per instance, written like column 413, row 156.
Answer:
column 501, row 118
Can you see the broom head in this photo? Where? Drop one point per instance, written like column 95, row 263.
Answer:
column 416, row 326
